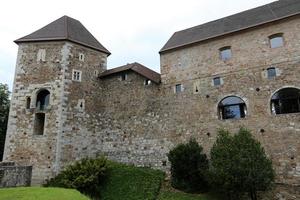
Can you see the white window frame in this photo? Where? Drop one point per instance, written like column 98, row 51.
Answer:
column 41, row 55
column 76, row 75
column 81, row 57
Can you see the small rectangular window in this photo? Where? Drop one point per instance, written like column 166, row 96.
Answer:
column 178, row 88
column 81, row 57
column 276, row 40
column 271, row 72
column 76, row 76
column 41, row 55
column 147, row 82
column 217, row 81
column 225, row 53
column 123, row 77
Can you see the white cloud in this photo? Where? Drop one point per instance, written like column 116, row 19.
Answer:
column 133, row 30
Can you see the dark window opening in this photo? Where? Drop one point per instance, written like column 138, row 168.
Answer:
column 271, row 72
column 276, row 40
column 286, row 101
column 42, row 100
column 39, row 123
column 217, row 81
column 28, row 101
column 123, row 77
column 232, row 108
column 178, row 88
column 225, row 53
column 147, row 82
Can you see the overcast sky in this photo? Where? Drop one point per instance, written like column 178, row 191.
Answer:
column 132, row 30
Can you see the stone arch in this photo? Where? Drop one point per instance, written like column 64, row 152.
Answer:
column 232, row 107
column 42, row 99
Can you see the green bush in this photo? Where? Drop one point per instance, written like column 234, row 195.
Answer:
column 189, row 167
column 85, row 175
column 239, row 165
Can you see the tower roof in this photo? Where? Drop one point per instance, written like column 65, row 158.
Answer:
column 65, row 28
column 251, row 18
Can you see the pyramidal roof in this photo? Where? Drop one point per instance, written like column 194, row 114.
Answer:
column 65, row 28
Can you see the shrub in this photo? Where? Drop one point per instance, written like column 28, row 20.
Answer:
column 85, row 175
column 189, row 167
column 239, row 164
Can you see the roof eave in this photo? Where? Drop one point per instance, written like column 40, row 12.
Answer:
column 18, row 41
column 162, row 51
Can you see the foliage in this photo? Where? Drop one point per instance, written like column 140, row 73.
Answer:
column 4, row 110
column 239, row 165
column 86, row 175
column 38, row 193
column 129, row 182
column 189, row 167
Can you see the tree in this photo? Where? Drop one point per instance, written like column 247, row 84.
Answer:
column 4, row 110
column 189, row 167
column 239, row 164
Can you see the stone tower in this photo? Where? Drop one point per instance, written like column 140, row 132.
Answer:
column 52, row 63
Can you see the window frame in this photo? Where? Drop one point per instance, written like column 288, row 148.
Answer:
column 242, row 108
column 78, row 76
column 219, row 81
column 271, row 75
column 273, row 37
column 178, row 88
column 222, row 56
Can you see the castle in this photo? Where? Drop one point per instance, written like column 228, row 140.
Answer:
column 241, row 70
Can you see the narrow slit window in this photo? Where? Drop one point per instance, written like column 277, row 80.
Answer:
column 81, row 57
column 28, row 102
column 276, row 40
column 39, row 124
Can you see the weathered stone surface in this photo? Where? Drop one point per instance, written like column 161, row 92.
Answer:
column 12, row 176
column 135, row 123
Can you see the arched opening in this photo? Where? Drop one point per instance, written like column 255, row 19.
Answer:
column 42, row 99
column 232, row 107
column 286, row 100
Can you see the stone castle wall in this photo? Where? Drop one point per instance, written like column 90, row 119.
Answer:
column 135, row 123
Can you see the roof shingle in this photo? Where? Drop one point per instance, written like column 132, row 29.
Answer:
column 136, row 67
column 247, row 19
column 65, row 28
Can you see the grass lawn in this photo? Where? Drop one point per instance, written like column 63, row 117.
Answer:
column 39, row 193
column 131, row 183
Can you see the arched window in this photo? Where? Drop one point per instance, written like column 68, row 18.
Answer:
column 232, row 107
column 42, row 99
column 276, row 40
column 285, row 101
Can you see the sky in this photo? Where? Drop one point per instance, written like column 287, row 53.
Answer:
column 132, row 30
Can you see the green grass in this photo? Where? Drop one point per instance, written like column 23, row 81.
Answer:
column 39, row 193
column 131, row 183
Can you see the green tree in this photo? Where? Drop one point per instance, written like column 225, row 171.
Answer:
column 189, row 167
column 4, row 110
column 239, row 165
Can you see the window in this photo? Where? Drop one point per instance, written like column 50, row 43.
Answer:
column 232, row 107
column 178, row 88
column 81, row 57
column 28, row 101
column 39, row 123
column 147, row 82
column 217, row 81
column 276, row 40
column 271, row 72
column 76, row 75
column 286, row 101
column 123, row 77
column 225, row 53
column 41, row 55
column 42, row 99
